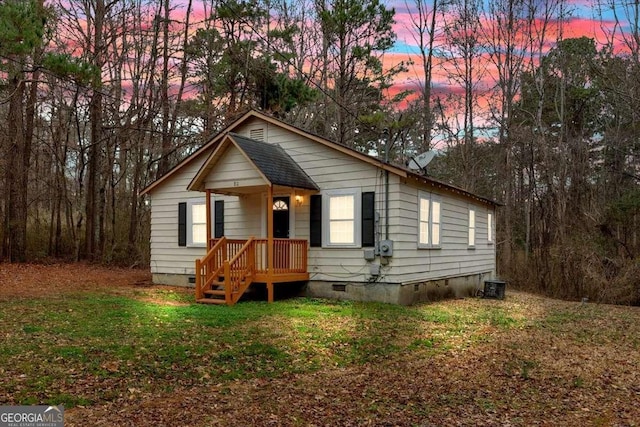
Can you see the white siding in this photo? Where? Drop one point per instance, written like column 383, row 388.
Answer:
column 453, row 257
column 233, row 170
column 166, row 255
column 244, row 217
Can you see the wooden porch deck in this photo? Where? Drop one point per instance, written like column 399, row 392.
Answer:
column 232, row 265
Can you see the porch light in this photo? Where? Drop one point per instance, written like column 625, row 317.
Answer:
column 299, row 200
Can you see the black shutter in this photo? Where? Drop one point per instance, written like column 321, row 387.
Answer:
column 368, row 219
column 315, row 224
column 182, row 224
column 218, row 229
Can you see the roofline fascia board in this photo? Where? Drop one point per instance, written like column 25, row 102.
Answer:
column 212, row 141
column 221, row 146
column 453, row 189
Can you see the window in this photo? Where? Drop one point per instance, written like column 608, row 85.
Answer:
column 280, row 205
column 472, row 228
column 342, row 218
column 192, row 222
column 196, row 223
column 429, row 221
column 489, row 227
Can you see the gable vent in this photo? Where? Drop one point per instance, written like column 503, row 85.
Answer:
column 257, row 134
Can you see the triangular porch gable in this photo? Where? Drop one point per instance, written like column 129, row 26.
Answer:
column 242, row 165
column 228, row 170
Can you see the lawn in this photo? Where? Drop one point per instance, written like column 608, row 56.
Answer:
column 117, row 351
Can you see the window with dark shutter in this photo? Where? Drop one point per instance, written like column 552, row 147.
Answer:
column 182, row 224
column 315, row 224
column 218, row 230
column 368, row 219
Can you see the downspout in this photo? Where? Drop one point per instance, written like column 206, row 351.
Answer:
column 387, row 140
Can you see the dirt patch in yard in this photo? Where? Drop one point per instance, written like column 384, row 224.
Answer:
column 39, row 280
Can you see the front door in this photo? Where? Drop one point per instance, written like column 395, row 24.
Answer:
column 281, row 231
column 281, row 217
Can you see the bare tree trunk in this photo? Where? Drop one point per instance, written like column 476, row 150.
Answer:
column 163, row 164
column 16, row 174
column 94, row 151
column 467, row 46
column 169, row 119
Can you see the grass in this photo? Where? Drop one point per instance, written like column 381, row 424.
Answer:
column 131, row 343
column 459, row 358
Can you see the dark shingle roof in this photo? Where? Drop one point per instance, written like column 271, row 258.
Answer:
column 275, row 163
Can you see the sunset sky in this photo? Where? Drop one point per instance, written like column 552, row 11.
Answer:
column 584, row 19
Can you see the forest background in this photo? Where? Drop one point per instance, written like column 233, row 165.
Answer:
column 533, row 103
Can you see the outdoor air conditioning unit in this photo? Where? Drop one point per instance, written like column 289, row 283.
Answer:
column 385, row 248
column 494, row 289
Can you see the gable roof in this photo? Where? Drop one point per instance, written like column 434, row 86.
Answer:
column 398, row 170
column 273, row 163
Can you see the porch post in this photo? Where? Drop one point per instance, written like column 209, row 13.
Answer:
column 270, row 244
column 208, row 209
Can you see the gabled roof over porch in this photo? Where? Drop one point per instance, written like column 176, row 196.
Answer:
column 239, row 165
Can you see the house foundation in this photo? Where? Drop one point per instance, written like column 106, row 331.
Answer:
column 400, row 293
column 186, row 280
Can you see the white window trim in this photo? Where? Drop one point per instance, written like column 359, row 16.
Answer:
column 432, row 198
column 357, row 220
column 490, row 232
column 472, row 245
column 190, row 203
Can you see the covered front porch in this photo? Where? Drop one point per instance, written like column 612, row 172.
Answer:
column 249, row 169
column 232, row 265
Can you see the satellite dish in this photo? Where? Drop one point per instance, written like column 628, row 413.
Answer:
column 421, row 161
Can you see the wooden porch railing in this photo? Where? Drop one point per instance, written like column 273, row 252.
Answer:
column 239, row 272
column 211, row 266
column 241, row 262
column 289, row 256
column 233, row 245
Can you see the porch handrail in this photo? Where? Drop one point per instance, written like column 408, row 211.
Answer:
column 233, row 245
column 239, row 271
column 209, row 267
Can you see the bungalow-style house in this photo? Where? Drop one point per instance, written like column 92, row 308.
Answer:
column 266, row 202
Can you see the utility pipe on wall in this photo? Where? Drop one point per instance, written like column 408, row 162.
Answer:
column 387, row 142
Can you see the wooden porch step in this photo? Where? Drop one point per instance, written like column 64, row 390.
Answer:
column 211, row 301
column 216, row 284
column 215, row 292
